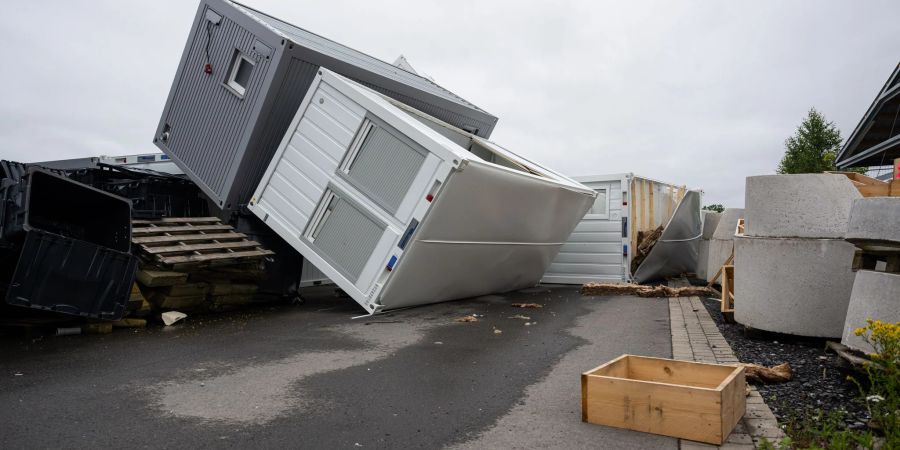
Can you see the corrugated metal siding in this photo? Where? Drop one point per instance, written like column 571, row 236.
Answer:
column 348, row 237
column 385, row 167
column 207, row 121
column 315, row 149
column 290, row 93
column 593, row 252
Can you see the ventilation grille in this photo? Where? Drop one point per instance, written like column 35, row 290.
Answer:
column 384, row 166
column 344, row 235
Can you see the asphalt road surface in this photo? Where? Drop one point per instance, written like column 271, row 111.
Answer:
column 310, row 376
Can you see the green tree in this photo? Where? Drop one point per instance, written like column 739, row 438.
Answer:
column 714, row 207
column 813, row 148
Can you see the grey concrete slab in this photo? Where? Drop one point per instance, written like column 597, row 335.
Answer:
column 802, row 205
column 793, row 286
column 710, row 223
column 727, row 223
column 312, row 377
column 875, row 219
column 875, row 295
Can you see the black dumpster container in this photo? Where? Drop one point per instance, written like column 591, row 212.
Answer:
column 66, row 246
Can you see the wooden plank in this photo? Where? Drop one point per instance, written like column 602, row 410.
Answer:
column 685, row 373
column 179, row 229
column 727, row 303
column 196, row 247
column 154, row 278
column 188, row 238
column 213, row 256
column 176, row 220
column 719, row 272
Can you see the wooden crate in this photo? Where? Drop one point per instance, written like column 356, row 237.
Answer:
column 728, row 293
column 688, row 400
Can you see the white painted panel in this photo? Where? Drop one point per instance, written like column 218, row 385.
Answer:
column 594, row 251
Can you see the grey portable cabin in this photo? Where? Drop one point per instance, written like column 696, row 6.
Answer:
column 241, row 79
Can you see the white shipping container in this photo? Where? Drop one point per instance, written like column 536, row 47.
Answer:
column 400, row 209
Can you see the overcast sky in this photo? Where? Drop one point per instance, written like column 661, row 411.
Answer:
column 695, row 93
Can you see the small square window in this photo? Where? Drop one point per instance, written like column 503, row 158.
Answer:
column 239, row 75
column 601, row 203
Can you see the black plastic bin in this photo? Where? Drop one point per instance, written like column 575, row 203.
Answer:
column 66, row 246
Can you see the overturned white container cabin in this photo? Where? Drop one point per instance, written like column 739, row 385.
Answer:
column 602, row 246
column 400, row 209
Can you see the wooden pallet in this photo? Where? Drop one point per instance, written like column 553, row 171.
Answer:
column 193, row 241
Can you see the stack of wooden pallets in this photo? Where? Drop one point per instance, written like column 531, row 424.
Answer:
column 196, row 263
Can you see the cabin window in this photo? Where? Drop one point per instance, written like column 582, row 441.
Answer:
column 601, row 203
column 239, row 74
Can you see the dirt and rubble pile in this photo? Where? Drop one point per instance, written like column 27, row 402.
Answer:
column 646, row 291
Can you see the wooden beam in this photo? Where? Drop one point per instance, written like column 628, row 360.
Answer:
column 180, row 229
column 196, row 247
column 187, row 238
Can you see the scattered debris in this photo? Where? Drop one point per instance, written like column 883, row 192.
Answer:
column 519, row 316
column 171, row 317
column 526, row 305
column 130, row 323
column 469, row 318
column 646, row 291
column 498, row 331
column 762, row 374
column 97, row 328
column 646, row 241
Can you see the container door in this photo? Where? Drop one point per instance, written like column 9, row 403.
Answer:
column 594, row 251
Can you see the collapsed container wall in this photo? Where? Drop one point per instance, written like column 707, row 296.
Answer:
column 651, row 205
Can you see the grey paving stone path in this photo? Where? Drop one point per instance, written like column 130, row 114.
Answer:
column 695, row 337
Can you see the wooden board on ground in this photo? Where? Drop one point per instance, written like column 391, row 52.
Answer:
column 689, row 400
column 155, row 278
column 728, row 293
column 189, row 242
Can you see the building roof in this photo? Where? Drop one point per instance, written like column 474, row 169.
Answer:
column 876, row 139
column 357, row 58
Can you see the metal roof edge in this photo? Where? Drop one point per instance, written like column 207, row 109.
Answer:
column 851, row 141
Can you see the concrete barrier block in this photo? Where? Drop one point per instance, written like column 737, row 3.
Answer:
column 710, row 222
column 875, row 295
column 727, row 223
column 718, row 253
column 702, row 259
column 803, row 205
column 875, row 219
column 793, row 286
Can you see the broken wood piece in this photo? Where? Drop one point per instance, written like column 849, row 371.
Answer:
column 155, row 278
column 762, row 374
column 469, row 318
column 129, row 323
column 847, row 354
column 97, row 328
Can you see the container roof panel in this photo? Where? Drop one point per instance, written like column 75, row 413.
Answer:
column 346, row 54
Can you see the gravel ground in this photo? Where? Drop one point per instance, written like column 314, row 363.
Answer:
column 818, row 384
